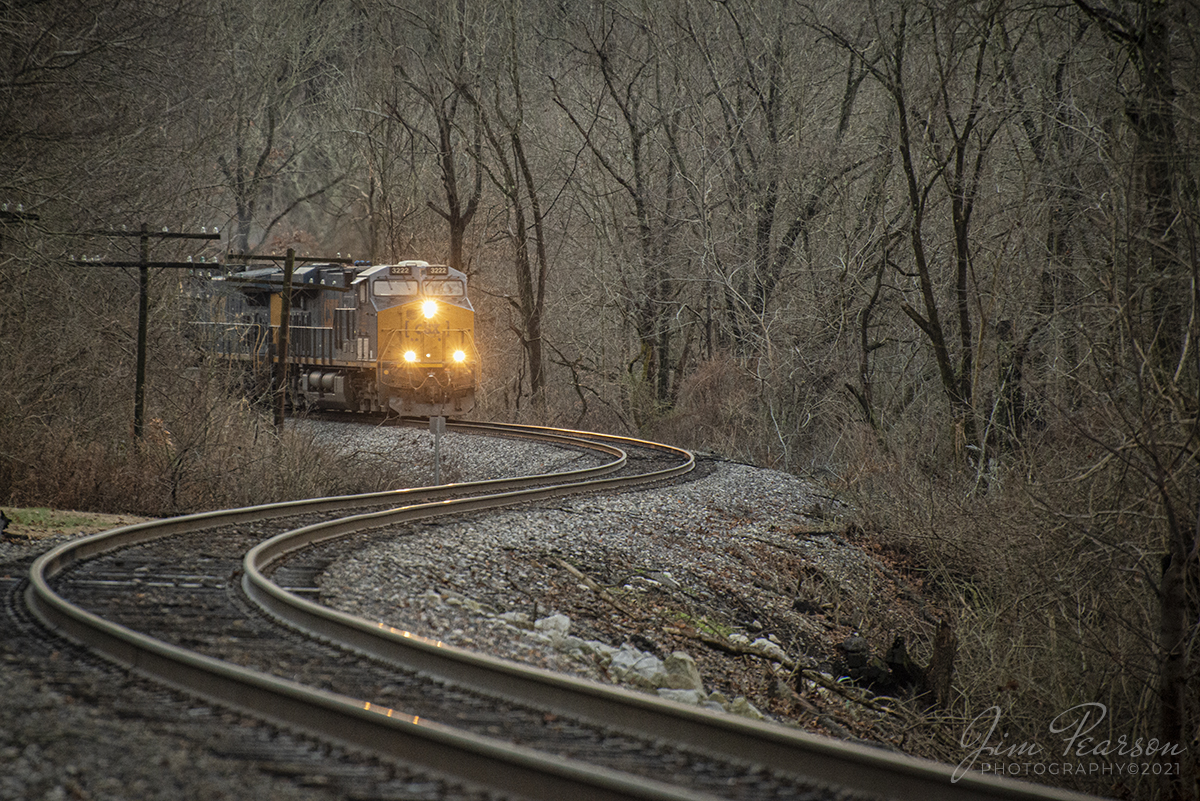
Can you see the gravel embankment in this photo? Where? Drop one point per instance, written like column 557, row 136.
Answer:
column 570, row 584
column 650, row 572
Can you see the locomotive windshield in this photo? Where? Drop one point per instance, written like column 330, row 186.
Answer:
column 444, row 289
column 393, row 286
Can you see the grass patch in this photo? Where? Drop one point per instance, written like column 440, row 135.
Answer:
column 47, row 518
column 38, row 522
column 703, row 624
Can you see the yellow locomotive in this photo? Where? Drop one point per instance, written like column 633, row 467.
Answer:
column 398, row 337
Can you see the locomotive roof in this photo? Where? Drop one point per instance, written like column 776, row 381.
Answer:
column 419, row 269
column 309, row 275
column 331, row 276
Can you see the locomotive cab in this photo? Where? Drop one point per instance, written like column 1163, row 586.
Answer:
column 424, row 324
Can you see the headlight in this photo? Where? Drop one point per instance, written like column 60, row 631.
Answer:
column 410, row 356
column 429, row 308
column 459, row 356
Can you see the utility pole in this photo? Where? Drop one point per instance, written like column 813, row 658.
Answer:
column 139, row 391
column 144, row 264
column 285, row 316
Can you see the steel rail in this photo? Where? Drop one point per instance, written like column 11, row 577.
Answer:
column 269, row 550
column 473, row 759
column 61, row 557
column 356, row 724
column 822, row 759
column 352, row 722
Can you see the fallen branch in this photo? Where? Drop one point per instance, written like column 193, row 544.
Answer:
column 592, row 585
column 854, row 694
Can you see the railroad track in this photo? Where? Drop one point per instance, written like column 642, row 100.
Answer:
column 190, row 601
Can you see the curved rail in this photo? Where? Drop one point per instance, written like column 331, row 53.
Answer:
column 361, row 724
column 352, row 722
column 834, row 762
column 57, row 559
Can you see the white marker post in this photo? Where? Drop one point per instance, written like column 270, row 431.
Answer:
column 437, row 425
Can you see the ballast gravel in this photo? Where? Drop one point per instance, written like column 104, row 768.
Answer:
column 589, row 584
column 613, row 587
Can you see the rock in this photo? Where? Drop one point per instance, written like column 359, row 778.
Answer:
column 694, row 697
column 601, row 651
column 637, row 668
column 463, row 602
column 573, row 647
column 518, row 620
column 866, row 669
column 715, row 702
column 557, row 623
column 769, row 649
column 681, row 672
column 857, row 650
column 740, row 706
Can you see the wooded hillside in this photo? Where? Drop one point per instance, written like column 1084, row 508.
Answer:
column 942, row 255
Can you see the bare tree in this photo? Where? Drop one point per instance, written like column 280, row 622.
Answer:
column 756, row 77
column 504, row 123
column 1158, row 307
column 274, row 65
column 624, row 49
column 435, row 67
column 943, row 134
column 1144, row 31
